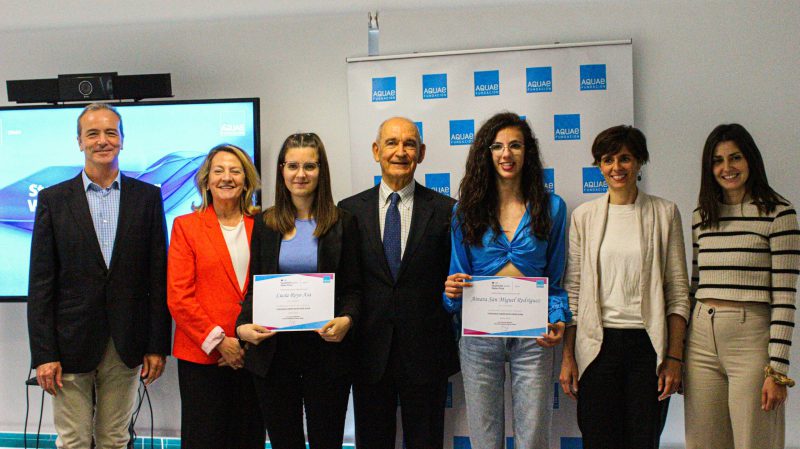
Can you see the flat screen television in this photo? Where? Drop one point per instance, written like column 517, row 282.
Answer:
column 164, row 144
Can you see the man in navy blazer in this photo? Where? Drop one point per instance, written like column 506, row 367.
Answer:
column 97, row 306
column 405, row 347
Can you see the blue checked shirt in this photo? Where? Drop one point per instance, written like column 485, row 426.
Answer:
column 104, row 207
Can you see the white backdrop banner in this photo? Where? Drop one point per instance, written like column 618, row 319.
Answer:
column 567, row 92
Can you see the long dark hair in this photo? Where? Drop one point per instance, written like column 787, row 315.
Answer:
column 757, row 186
column 478, row 207
column 281, row 216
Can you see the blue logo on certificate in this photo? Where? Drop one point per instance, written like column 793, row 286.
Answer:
column 384, row 89
column 593, row 77
column 293, row 302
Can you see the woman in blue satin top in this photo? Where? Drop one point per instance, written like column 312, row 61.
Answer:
column 507, row 224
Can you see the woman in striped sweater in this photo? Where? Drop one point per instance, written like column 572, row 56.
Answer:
column 746, row 246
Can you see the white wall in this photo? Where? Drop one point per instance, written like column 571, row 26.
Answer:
column 696, row 64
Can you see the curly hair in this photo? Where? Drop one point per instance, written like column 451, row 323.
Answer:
column 478, row 207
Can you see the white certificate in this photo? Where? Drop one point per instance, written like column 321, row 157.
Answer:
column 499, row 306
column 293, row 302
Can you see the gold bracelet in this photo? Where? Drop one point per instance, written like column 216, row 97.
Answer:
column 778, row 378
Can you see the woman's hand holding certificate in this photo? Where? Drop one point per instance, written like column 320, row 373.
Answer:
column 253, row 333
column 336, row 329
column 296, row 302
column 500, row 306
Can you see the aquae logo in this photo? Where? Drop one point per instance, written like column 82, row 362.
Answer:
column 593, row 77
column 567, row 127
column 376, row 179
column 462, row 132
column 538, row 79
column 384, row 89
column 434, row 86
column 593, row 180
column 549, row 179
column 232, row 124
column 487, row 83
column 419, row 127
column 439, row 182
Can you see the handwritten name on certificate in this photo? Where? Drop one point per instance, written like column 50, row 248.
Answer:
column 500, row 306
column 293, row 302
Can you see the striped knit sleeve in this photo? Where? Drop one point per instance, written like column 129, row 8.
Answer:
column 695, row 280
column 784, row 241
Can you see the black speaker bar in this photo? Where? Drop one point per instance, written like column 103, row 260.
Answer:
column 90, row 87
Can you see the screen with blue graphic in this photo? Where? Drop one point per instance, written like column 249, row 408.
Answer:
column 164, row 144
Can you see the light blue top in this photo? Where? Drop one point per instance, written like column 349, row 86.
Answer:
column 104, row 208
column 299, row 254
column 532, row 256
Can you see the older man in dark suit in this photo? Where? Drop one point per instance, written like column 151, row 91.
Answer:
column 405, row 344
column 97, row 306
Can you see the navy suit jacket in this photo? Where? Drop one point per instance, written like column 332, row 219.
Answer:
column 75, row 302
column 407, row 313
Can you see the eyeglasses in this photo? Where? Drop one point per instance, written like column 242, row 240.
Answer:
column 514, row 147
column 294, row 166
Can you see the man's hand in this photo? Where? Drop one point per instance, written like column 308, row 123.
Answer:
column 152, row 367
column 48, row 375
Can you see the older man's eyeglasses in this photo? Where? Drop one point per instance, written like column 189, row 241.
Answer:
column 514, row 147
column 306, row 166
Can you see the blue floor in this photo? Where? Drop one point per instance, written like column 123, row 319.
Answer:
column 10, row 440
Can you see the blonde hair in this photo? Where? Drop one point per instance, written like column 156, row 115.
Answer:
column 252, row 182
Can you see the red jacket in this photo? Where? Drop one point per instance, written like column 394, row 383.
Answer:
column 202, row 289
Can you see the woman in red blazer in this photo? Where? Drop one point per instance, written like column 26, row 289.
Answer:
column 207, row 275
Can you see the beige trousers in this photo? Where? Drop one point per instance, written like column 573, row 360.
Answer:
column 75, row 415
column 726, row 353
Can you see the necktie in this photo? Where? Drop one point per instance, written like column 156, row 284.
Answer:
column 391, row 235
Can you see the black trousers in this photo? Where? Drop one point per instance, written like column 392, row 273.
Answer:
column 294, row 383
column 218, row 408
column 618, row 406
column 421, row 410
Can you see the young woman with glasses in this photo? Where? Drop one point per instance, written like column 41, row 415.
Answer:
column 304, row 232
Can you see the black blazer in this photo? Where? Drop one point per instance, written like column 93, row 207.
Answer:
column 410, row 311
column 337, row 252
column 75, row 302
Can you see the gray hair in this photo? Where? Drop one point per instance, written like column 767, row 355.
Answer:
column 100, row 107
column 380, row 129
